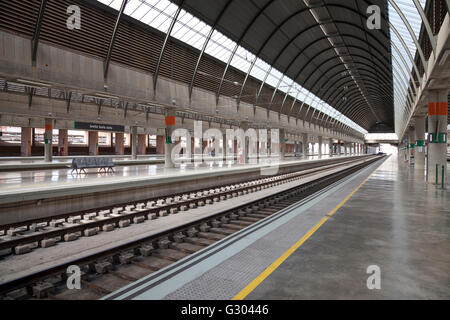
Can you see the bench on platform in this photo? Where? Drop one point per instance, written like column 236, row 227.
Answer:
column 81, row 164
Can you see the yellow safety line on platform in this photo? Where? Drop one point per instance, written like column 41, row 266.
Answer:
column 252, row 285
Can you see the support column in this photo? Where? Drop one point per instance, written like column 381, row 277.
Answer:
column 339, row 148
column 133, row 143
column 244, row 126
column 142, row 148
column 170, row 124
column 282, row 144
column 437, row 137
column 119, row 143
column 25, row 147
column 412, row 145
column 320, row 146
column 93, row 143
column 419, row 157
column 160, row 145
column 48, row 140
column 304, row 144
column 225, row 147
column 63, row 142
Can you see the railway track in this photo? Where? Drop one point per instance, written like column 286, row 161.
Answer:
column 23, row 237
column 112, row 269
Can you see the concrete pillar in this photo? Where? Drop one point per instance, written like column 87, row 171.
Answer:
column 304, row 144
column 160, row 144
column 26, row 139
column 225, row 147
column 320, row 146
column 244, row 126
column 133, row 143
column 437, row 126
column 48, row 140
column 282, row 144
column 63, row 142
column 119, row 144
column 339, row 148
column 142, row 148
column 412, row 145
column 419, row 156
column 170, row 124
column 93, row 143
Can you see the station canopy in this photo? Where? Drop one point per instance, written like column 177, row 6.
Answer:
column 318, row 52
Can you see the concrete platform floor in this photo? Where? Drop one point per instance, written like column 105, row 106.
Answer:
column 15, row 164
column 396, row 222
column 36, row 179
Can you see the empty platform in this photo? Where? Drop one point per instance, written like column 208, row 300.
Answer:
column 384, row 215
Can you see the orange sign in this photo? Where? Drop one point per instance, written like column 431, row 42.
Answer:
column 170, row 121
column 437, row 108
column 48, row 127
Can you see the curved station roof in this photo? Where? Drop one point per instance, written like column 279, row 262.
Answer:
column 315, row 60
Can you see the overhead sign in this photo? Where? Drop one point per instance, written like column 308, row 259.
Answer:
column 98, row 127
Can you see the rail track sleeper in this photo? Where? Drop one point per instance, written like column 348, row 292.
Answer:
column 22, row 249
column 199, row 241
column 138, row 219
column 179, row 237
column 169, row 254
column 43, row 289
column 124, row 258
column 146, row 250
column 49, row 242
column 70, row 237
column 216, row 223
column 186, row 247
column 95, row 287
column 192, row 232
column 223, row 231
column 163, row 244
column 124, row 276
column 211, row 236
column 90, row 232
column 103, row 267
column 249, row 219
column 224, row 219
column 232, row 226
column 240, row 222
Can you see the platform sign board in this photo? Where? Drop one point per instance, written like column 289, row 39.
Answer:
column 98, row 127
column 312, row 138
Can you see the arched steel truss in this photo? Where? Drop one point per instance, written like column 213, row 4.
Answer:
column 411, row 92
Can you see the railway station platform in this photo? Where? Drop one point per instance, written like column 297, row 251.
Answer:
column 31, row 194
column 321, row 248
column 20, row 164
